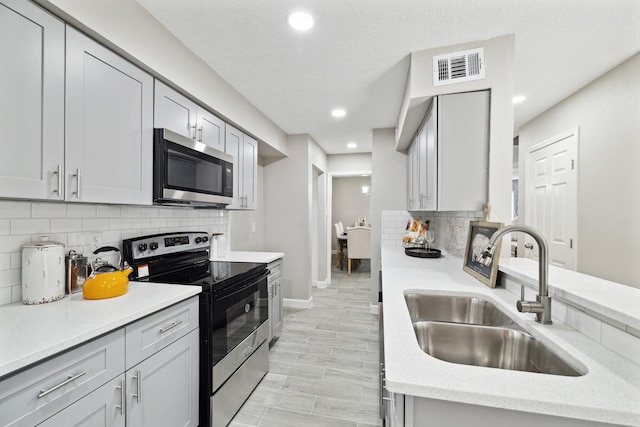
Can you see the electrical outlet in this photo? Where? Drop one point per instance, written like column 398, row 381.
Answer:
column 96, row 241
column 253, row 227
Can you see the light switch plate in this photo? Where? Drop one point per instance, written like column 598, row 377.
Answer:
column 95, row 241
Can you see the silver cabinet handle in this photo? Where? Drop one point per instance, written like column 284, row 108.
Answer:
column 71, row 378
column 200, row 131
column 59, row 173
column 138, row 394
column 77, row 176
column 194, row 127
column 122, row 397
column 171, row 326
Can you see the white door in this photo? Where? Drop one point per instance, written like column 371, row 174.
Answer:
column 551, row 197
column 233, row 145
column 250, row 172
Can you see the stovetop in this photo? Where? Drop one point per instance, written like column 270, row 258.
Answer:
column 183, row 258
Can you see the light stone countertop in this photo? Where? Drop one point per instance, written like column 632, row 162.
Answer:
column 242, row 256
column 609, row 392
column 30, row 333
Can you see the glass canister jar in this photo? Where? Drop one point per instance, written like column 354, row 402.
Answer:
column 77, row 269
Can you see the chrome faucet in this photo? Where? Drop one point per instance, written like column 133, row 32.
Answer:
column 542, row 306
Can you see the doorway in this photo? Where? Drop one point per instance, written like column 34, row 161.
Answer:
column 346, row 189
column 551, row 197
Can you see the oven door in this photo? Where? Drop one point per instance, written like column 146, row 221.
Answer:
column 187, row 172
column 238, row 324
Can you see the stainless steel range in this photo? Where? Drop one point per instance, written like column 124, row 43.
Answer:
column 234, row 353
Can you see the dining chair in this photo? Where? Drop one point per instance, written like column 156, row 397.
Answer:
column 359, row 244
column 341, row 247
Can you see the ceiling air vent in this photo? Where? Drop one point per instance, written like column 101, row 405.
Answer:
column 458, row 67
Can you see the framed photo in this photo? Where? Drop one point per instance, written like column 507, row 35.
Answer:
column 479, row 234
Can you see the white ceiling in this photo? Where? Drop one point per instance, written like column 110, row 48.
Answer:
column 357, row 55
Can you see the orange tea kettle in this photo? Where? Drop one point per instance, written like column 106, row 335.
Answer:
column 106, row 280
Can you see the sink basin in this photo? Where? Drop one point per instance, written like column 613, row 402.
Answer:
column 492, row 347
column 456, row 309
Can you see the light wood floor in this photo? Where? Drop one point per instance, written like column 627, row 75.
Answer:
column 324, row 368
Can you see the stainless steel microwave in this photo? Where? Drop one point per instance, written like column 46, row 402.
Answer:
column 187, row 172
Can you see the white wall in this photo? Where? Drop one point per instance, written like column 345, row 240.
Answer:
column 348, row 203
column 500, row 79
column 607, row 112
column 388, row 192
column 242, row 223
column 74, row 223
column 340, row 164
column 128, row 28
column 288, row 187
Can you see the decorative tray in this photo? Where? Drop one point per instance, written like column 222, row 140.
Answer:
column 423, row 252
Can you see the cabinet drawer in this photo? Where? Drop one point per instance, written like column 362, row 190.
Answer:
column 151, row 334
column 275, row 269
column 37, row 393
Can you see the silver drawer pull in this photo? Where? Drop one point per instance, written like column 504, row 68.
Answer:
column 122, row 398
column 62, row 384
column 171, row 326
column 138, row 378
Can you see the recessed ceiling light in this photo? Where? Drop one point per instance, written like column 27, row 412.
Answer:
column 518, row 99
column 300, row 21
column 352, row 145
column 338, row 112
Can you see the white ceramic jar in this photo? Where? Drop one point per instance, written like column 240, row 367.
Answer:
column 43, row 270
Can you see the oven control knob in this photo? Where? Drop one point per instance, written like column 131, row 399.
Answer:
column 198, row 239
column 142, row 247
column 205, row 239
column 153, row 246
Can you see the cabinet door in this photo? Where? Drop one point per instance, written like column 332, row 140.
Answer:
column 174, row 111
column 31, row 102
column 210, row 130
column 233, row 144
column 109, row 126
column 413, row 176
column 463, row 151
column 276, row 323
column 163, row 389
column 250, row 172
column 430, row 159
column 102, row 408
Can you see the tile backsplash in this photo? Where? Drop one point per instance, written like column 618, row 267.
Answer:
column 74, row 224
column 451, row 228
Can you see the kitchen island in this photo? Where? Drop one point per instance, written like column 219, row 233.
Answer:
column 609, row 391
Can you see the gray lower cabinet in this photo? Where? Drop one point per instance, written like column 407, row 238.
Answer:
column 102, row 407
column 144, row 374
column 274, row 284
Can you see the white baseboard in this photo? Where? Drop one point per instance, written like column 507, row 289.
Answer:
column 373, row 308
column 297, row 303
column 321, row 284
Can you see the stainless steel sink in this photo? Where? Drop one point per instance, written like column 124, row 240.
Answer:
column 456, row 309
column 493, row 347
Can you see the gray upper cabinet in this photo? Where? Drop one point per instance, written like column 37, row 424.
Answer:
column 176, row 112
column 244, row 150
column 109, row 126
column 31, row 102
column 449, row 158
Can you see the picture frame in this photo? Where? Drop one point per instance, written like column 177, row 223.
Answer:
column 479, row 234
